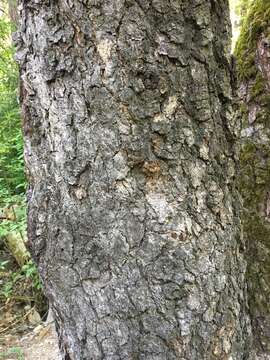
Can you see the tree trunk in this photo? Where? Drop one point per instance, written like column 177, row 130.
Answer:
column 133, row 215
column 253, row 53
column 13, row 11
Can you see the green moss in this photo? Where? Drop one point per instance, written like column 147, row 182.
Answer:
column 259, row 86
column 265, row 100
column 262, row 117
column 243, row 113
column 256, row 22
column 257, row 230
column 248, row 152
column 242, row 7
column 254, row 175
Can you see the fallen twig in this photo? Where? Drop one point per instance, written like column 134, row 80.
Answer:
column 16, row 321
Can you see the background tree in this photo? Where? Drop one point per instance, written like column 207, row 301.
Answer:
column 133, row 216
column 19, row 285
column 12, row 179
column 253, row 55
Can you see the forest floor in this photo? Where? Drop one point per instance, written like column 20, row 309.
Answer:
column 23, row 333
column 39, row 344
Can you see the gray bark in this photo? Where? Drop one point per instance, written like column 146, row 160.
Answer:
column 133, row 216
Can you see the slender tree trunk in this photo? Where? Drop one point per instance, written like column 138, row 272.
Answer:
column 253, row 53
column 13, row 11
column 133, row 215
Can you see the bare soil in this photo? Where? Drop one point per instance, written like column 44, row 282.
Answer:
column 39, row 344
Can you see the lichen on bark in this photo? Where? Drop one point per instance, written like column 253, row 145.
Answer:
column 253, row 56
column 130, row 144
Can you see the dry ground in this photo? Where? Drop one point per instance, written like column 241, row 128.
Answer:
column 40, row 344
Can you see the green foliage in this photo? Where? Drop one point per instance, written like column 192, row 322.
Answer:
column 12, row 180
column 18, row 221
column 3, row 264
column 10, row 284
column 28, row 271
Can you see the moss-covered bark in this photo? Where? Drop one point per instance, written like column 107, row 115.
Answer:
column 253, row 57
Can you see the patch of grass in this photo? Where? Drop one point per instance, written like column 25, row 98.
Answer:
column 12, row 353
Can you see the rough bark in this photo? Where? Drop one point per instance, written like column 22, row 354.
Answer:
column 133, row 215
column 253, row 53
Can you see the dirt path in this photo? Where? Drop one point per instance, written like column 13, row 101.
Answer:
column 40, row 344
